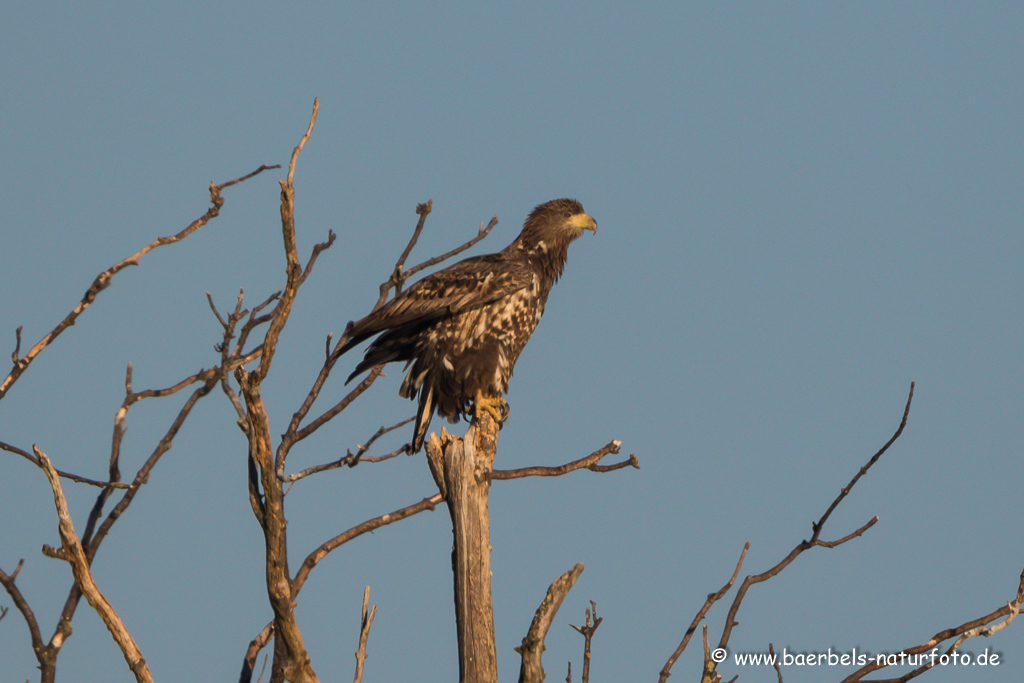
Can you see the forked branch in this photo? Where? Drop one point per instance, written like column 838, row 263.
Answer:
column 587, row 632
column 72, row 552
column 364, row 634
column 815, row 540
column 701, row 613
column 351, row 459
column 589, row 462
column 103, row 280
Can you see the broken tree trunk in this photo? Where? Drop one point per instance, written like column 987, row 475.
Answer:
column 462, row 470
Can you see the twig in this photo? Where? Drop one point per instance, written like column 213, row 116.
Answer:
column 351, row 459
column 588, row 632
column 17, row 345
column 817, row 526
column 7, row 580
column 532, row 647
column 262, row 669
column 701, row 613
column 589, row 462
column 261, row 169
column 279, row 317
column 302, row 143
column 483, row 232
column 398, row 278
column 775, row 662
column 364, row 634
column 67, row 475
column 74, row 554
column 317, row 248
column 254, row 321
column 227, row 354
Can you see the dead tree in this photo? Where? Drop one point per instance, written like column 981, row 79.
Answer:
column 463, row 470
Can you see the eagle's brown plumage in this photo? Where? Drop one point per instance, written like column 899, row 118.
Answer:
column 461, row 329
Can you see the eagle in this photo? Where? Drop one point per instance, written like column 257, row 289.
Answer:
column 460, row 330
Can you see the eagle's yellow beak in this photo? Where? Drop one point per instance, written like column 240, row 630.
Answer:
column 583, row 222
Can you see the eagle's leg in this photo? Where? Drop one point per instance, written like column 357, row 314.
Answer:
column 495, row 406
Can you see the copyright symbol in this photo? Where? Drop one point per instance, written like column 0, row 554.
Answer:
column 718, row 655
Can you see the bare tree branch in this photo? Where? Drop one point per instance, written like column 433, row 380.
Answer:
column 340, row 405
column 259, row 170
column 369, row 525
column 257, row 644
column 211, row 379
column 351, row 459
column 302, row 143
column 730, row 621
column 970, row 629
column 47, row 654
column 317, row 248
column 104, row 279
column 364, row 634
column 291, row 659
column 701, row 613
column 532, row 647
column 483, row 232
column 817, row 526
column 588, row 633
column 226, row 353
column 254, row 321
column 590, row 462
column 398, row 278
column 74, row 554
column 7, row 580
column 708, row 675
column 775, row 662
column 17, row 345
column 320, row 553
column 67, row 475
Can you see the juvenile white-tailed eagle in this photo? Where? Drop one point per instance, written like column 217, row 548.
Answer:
column 462, row 329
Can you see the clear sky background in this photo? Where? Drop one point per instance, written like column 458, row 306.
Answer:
column 802, row 208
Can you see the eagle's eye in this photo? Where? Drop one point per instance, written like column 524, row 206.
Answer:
column 567, row 215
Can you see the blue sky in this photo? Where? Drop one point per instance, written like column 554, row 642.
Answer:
column 802, row 208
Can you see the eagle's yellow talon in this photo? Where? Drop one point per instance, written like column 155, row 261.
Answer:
column 495, row 406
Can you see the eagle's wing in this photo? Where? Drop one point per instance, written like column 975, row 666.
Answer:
column 464, row 286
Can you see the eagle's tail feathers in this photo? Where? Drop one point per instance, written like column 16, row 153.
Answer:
column 423, row 415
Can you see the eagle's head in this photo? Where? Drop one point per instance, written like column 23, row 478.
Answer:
column 553, row 225
column 547, row 233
